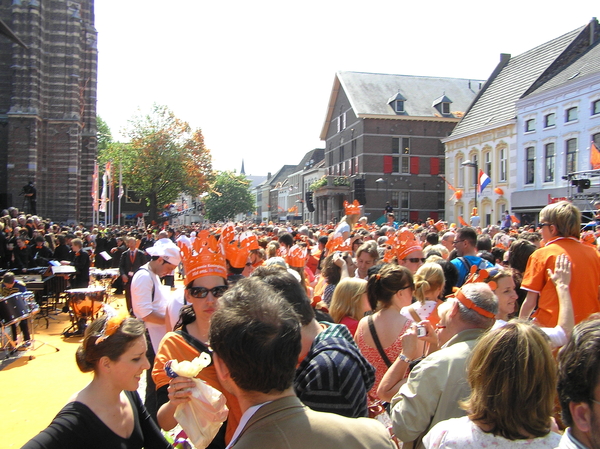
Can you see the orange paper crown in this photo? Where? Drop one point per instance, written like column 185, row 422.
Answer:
column 337, row 244
column 236, row 248
column 407, row 243
column 296, row 256
column 204, row 258
column 352, row 208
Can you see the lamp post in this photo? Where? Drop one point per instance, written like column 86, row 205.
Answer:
column 469, row 163
column 379, row 181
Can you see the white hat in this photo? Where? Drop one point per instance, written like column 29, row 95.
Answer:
column 168, row 251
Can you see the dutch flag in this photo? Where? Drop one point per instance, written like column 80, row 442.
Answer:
column 484, row 180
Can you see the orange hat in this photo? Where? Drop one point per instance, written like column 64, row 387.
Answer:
column 352, row 208
column 203, row 258
column 296, row 256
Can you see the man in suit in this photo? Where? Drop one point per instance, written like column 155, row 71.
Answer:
column 256, row 339
column 131, row 261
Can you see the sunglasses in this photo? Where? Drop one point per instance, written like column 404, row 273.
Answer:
column 416, row 259
column 545, row 224
column 202, row 292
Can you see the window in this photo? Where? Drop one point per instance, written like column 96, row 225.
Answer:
column 395, row 199
column 445, row 108
column 395, row 165
column 341, row 122
column 502, row 164
column 571, row 114
column 571, row 150
column 342, row 155
column 353, row 148
column 529, row 125
column 395, row 145
column 404, row 200
column 530, row 165
column 596, row 140
column 549, row 120
column 399, row 106
column 405, row 145
column 596, row 107
column 405, row 165
column 460, row 182
column 131, row 196
column 549, row 162
column 441, row 200
column 488, row 163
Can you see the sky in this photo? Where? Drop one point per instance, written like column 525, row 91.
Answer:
column 256, row 76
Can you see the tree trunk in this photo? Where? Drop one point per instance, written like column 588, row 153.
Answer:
column 154, row 208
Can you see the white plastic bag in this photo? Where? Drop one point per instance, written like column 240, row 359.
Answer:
column 203, row 415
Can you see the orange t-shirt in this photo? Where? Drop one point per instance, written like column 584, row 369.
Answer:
column 585, row 280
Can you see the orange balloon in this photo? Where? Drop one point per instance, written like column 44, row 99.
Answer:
column 499, row 191
column 458, row 194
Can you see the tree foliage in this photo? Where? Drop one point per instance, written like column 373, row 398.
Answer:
column 163, row 159
column 105, row 138
column 230, row 196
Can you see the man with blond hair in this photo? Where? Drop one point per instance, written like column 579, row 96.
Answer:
column 560, row 225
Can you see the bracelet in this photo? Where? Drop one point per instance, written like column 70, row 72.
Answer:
column 403, row 358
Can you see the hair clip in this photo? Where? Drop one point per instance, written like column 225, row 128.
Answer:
column 111, row 326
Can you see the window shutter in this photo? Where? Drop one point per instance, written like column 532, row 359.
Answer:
column 434, row 165
column 414, row 165
column 387, row 165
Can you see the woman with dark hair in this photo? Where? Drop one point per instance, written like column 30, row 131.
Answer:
column 512, row 375
column 206, row 278
column 379, row 336
column 108, row 412
column 336, row 267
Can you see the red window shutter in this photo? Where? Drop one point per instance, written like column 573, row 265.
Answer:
column 434, row 165
column 434, row 215
column 414, row 165
column 387, row 165
column 414, row 216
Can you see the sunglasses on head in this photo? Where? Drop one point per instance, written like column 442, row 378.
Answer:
column 202, row 292
column 416, row 259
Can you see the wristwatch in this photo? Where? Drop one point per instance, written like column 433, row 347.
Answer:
column 404, row 358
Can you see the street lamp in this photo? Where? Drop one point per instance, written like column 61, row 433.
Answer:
column 469, row 163
column 379, row 181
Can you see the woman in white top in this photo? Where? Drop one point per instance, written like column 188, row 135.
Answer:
column 512, row 375
column 505, row 290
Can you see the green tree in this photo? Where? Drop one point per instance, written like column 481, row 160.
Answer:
column 163, row 159
column 105, row 138
column 230, row 195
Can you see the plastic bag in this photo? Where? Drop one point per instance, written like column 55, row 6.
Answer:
column 203, row 415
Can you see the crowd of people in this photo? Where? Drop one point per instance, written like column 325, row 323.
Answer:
column 351, row 335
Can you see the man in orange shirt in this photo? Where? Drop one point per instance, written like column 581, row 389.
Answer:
column 560, row 225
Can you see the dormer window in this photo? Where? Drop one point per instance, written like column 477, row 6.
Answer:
column 397, row 103
column 442, row 104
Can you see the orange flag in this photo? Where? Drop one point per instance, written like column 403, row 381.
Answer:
column 594, row 156
column 462, row 221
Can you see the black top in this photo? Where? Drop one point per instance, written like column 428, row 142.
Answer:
column 81, row 262
column 76, row 426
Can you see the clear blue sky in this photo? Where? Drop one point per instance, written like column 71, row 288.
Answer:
column 256, row 75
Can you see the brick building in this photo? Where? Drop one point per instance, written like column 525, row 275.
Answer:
column 383, row 133
column 48, row 106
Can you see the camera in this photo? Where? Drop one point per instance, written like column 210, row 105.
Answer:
column 421, row 331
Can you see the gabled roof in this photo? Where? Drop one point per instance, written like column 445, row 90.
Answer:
column 496, row 102
column 281, row 175
column 311, row 159
column 587, row 64
column 369, row 95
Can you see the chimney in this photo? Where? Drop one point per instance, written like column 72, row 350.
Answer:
column 592, row 30
column 268, row 176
